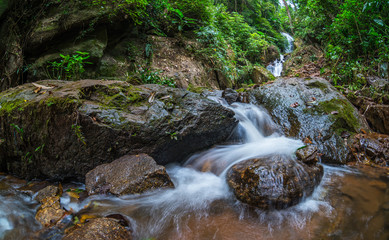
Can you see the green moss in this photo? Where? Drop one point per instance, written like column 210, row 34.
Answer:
column 343, row 114
column 198, row 89
column 7, row 107
column 317, row 84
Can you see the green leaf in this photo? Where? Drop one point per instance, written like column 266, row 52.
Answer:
column 379, row 22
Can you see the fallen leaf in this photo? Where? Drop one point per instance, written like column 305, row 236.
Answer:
column 85, row 217
column 38, row 89
column 294, row 105
column 151, row 97
column 363, row 131
column 60, row 191
column 41, row 86
column 313, row 99
column 334, row 112
column 307, row 141
column 73, row 195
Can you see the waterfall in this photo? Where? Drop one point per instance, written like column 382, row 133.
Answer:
column 276, row 67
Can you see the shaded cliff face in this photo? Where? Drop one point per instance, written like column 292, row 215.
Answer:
column 116, row 46
column 64, row 129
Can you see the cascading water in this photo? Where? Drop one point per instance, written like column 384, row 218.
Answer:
column 203, row 207
column 276, row 67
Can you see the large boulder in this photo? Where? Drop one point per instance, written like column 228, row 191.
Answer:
column 64, row 129
column 99, row 229
column 312, row 110
column 127, row 175
column 275, row 182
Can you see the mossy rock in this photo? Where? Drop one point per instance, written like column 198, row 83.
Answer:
column 312, row 110
column 62, row 129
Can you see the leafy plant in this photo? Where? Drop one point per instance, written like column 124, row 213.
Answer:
column 77, row 131
column 70, row 67
column 172, row 135
column 150, row 76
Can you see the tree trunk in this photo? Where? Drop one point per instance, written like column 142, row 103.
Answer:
column 290, row 18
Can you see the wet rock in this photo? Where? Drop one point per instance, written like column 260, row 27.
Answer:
column 230, row 95
column 49, row 191
column 83, row 124
column 129, row 174
column 33, row 187
column 99, row 229
column 271, row 55
column 370, row 148
column 275, row 182
column 307, row 155
column 378, row 117
column 261, row 75
column 50, row 212
column 312, row 110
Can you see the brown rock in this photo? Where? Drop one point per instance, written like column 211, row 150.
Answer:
column 378, row 117
column 308, row 154
column 49, row 191
column 50, row 211
column 99, row 229
column 370, row 148
column 276, row 182
column 129, row 174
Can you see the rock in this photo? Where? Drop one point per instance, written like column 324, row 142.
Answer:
column 261, row 75
column 230, row 95
column 307, row 155
column 99, row 229
column 275, row 182
column 49, row 191
column 50, row 212
column 378, row 117
column 303, row 107
column 129, row 174
column 82, row 124
column 271, row 54
column 377, row 82
column 370, row 148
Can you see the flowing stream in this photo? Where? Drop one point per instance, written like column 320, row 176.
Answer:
column 348, row 203
column 276, row 67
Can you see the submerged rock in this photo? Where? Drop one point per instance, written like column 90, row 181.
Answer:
column 127, row 175
column 312, row 110
column 275, row 182
column 62, row 129
column 99, row 229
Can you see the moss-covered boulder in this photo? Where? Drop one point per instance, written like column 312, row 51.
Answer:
column 312, row 110
column 261, row 75
column 62, row 129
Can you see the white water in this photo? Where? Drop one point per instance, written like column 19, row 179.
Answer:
column 276, row 67
column 196, row 190
column 177, row 213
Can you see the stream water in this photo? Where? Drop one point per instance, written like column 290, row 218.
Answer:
column 276, row 67
column 349, row 203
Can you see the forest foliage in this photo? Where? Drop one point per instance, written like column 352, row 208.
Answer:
column 236, row 35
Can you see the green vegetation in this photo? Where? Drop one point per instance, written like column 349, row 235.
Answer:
column 353, row 34
column 70, row 67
